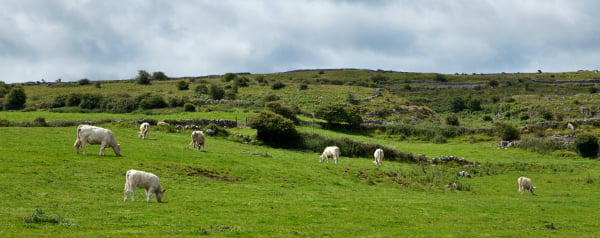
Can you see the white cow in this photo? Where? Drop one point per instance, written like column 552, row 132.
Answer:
column 140, row 179
column 96, row 135
column 378, row 157
column 198, row 140
column 525, row 184
column 330, row 151
column 144, row 129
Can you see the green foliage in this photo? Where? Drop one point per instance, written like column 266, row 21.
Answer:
column 98, row 84
column 241, row 82
column 274, row 129
column 350, row 98
column 278, row 85
column 339, row 114
column 201, row 89
column 507, row 132
column 84, row 81
column 73, row 100
column 90, row 101
column 283, row 110
column 452, row 120
column 440, row 78
column 217, row 130
column 587, row 145
column 159, row 76
column 176, row 101
column 183, row 85
column 4, row 89
column 541, row 144
column 303, row 87
column 143, row 78
column 228, row 77
column 15, row 99
column 216, row 92
column 271, row 97
column 379, row 78
column 119, row 104
column 40, row 216
column 188, row 107
column 152, row 101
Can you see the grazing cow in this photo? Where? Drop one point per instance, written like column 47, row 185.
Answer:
column 464, row 174
column 378, row 157
column 525, row 184
column 144, row 129
column 96, row 135
column 330, row 151
column 198, row 140
column 162, row 123
column 140, row 179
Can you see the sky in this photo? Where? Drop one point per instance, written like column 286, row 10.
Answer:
column 114, row 39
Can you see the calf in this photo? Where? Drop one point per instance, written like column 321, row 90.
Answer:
column 140, row 179
column 330, row 151
column 144, row 129
column 525, row 184
column 378, row 157
column 198, row 140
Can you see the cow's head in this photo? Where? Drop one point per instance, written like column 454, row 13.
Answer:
column 117, row 149
column 159, row 195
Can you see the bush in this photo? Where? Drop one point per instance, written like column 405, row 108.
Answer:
column 587, row 145
column 40, row 122
column 338, row 114
column 143, row 78
column 201, row 89
column 507, row 132
column 15, row 99
column 188, row 107
column 84, row 81
column 271, row 97
column 278, row 85
column 283, row 110
column 176, row 101
column 183, row 85
column 273, row 129
column 160, row 76
column 216, row 92
column 73, row 100
column 217, row 130
column 153, row 101
column 39, row 216
column 452, row 120
column 119, row 104
column 540, row 145
column 303, row 87
column 90, row 101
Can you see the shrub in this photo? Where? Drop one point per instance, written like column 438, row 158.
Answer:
column 59, row 101
column 176, row 101
column 143, row 78
column 97, row 84
column 218, row 131
column 283, row 110
column 5, row 123
column 183, row 85
column 90, row 101
column 39, row 216
column 40, row 122
column 15, row 99
column 160, row 76
column 188, row 107
column 540, row 145
column 273, row 129
column 524, row 116
column 487, row 118
column 270, row 98
column 452, row 120
column 119, row 104
column 73, row 100
column 229, row 76
column 216, row 92
column 84, row 81
column 278, row 85
column 153, row 101
column 507, row 132
column 303, row 87
column 587, row 145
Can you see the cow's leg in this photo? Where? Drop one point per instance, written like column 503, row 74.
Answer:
column 83, row 147
column 102, row 147
column 148, row 194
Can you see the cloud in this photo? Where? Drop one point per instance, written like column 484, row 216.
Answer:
column 106, row 40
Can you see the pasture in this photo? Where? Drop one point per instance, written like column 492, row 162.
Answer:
column 240, row 190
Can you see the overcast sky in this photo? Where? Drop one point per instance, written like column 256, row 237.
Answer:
column 113, row 39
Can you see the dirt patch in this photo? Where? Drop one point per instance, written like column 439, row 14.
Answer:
column 212, row 174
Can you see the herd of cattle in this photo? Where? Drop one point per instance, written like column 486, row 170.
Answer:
column 150, row 182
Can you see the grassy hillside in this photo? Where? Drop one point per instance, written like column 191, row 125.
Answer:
column 236, row 189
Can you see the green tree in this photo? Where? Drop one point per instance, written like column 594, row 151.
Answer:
column 183, row 85
column 283, row 110
column 143, row 78
column 274, row 129
column 507, row 132
column 15, row 99
column 201, row 89
column 229, row 76
column 159, row 76
column 84, row 81
column 216, row 92
column 339, row 114
column 587, row 145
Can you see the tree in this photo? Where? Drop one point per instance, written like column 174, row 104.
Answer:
column 159, row 76
column 15, row 99
column 216, row 92
column 587, row 145
column 274, row 129
column 338, row 114
column 283, row 110
column 84, row 81
column 507, row 132
column 143, row 78
column 183, row 85
column 229, row 76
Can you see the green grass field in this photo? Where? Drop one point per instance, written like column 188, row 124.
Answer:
column 241, row 190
